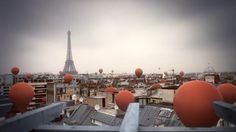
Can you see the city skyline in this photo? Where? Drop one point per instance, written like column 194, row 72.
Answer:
column 118, row 35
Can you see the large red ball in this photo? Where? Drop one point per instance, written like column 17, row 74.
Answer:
column 228, row 92
column 15, row 70
column 123, row 98
column 68, row 78
column 193, row 103
column 138, row 72
column 21, row 95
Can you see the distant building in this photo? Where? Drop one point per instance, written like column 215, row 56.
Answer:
column 6, row 82
column 211, row 76
column 40, row 95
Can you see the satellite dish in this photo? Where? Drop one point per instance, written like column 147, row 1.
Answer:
column 81, row 99
column 116, row 107
column 74, row 97
column 97, row 107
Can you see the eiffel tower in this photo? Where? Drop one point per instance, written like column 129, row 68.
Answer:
column 69, row 64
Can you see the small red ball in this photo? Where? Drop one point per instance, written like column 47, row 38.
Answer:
column 100, row 70
column 138, row 72
column 68, row 78
column 28, row 76
column 15, row 70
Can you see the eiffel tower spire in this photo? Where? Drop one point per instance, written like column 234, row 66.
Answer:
column 69, row 64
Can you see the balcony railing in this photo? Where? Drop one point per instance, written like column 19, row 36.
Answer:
column 38, row 120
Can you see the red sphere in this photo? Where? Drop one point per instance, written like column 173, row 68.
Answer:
column 21, row 95
column 138, row 72
column 123, row 98
column 15, row 70
column 28, row 75
column 68, row 78
column 110, row 89
column 193, row 103
column 155, row 86
column 100, row 70
column 228, row 91
column 181, row 73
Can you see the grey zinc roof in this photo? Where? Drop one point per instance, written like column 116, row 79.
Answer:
column 147, row 115
column 107, row 119
column 81, row 116
column 156, row 116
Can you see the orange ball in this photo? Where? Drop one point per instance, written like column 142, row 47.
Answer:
column 193, row 103
column 68, row 78
column 138, row 72
column 15, row 70
column 100, row 70
column 21, row 95
column 228, row 91
column 28, row 75
column 110, row 89
column 123, row 98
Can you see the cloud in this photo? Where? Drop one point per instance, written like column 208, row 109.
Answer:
column 118, row 35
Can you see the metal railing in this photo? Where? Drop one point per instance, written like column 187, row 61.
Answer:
column 37, row 120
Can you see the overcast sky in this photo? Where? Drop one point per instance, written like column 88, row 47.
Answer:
column 118, row 35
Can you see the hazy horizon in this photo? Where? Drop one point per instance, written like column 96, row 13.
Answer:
column 184, row 35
